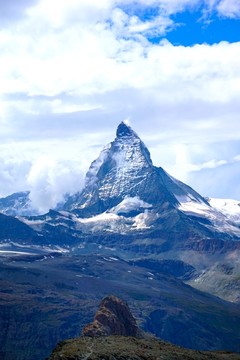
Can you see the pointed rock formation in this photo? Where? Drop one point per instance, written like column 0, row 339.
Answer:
column 124, row 169
column 113, row 318
column 125, row 130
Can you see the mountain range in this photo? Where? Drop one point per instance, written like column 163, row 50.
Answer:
column 133, row 216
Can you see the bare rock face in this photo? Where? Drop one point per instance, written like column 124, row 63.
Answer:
column 113, row 318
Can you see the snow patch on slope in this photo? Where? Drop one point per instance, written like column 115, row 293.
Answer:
column 189, row 198
column 194, row 208
column 145, row 219
column 220, row 220
column 130, row 204
column 111, row 221
column 230, row 208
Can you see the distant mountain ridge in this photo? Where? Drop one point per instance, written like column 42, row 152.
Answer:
column 133, row 209
column 125, row 195
column 16, row 204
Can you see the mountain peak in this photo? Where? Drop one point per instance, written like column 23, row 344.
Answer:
column 125, row 130
column 124, row 169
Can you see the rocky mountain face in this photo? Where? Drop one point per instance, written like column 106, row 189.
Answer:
column 125, row 193
column 125, row 169
column 16, row 204
column 136, row 210
column 133, row 231
column 115, row 335
column 113, row 318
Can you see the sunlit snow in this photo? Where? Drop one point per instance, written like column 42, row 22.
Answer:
column 230, row 208
column 130, row 204
column 219, row 219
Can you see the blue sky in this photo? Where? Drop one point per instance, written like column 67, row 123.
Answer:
column 194, row 25
column 194, row 29
column 72, row 70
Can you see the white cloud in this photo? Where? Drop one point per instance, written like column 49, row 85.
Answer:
column 48, row 181
column 130, row 26
column 92, row 58
column 58, row 13
column 127, row 121
column 70, row 71
column 229, row 8
column 12, row 175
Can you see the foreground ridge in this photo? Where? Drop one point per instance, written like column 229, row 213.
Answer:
column 115, row 319
column 129, row 348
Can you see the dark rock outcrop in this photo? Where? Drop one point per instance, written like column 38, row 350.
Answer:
column 113, row 318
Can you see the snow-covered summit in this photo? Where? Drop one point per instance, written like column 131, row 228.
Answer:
column 126, row 152
column 124, row 169
column 147, row 210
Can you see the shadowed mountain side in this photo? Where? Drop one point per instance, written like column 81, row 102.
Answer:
column 44, row 301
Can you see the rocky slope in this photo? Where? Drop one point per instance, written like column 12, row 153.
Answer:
column 17, row 204
column 129, row 209
column 137, row 208
column 122, row 348
column 113, row 318
column 113, row 336
column 125, row 169
column 49, row 299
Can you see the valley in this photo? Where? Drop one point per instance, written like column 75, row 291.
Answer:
column 135, row 232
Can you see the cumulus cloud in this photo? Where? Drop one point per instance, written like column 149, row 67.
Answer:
column 48, row 182
column 51, row 62
column 12, row 175
column 70, row 71
column 229, row 8
column 13, row 10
